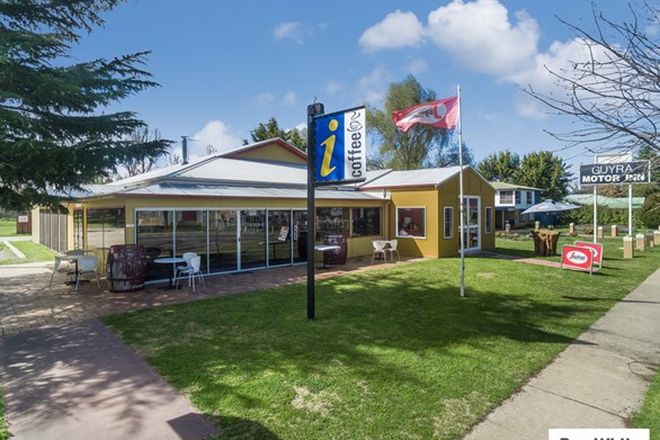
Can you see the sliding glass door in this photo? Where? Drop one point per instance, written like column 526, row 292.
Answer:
column 155, row 232
column 279, row 237
column 253, row 238
column 223, row 241
column 191, row 234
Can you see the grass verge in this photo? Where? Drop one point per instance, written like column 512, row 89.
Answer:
column 7, row 227
column 394, row 353
column 649, row 415
column 4, row 430
column 33, row 252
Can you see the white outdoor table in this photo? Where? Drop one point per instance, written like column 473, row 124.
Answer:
column 170, row 260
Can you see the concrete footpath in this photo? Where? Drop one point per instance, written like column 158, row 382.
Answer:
column 599, row 381
column 80, row 381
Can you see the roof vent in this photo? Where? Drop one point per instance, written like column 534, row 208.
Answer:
column 184, row 150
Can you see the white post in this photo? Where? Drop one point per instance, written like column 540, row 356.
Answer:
column 630, row 225
column 595, row 215
column 460, row 185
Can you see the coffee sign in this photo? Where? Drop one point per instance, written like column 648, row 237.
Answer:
column 577, row 258
column 615, row 173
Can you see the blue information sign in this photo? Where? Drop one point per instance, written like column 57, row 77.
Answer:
column 340, row 147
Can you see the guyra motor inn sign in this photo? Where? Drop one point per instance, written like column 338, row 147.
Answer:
column 340, row 147
column 615, row 173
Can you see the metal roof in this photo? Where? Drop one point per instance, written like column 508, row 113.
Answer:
column 504, row 185
column 218, row 190
column 610, row 202
column 428, row 176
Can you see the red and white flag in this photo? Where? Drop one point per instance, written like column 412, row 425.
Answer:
column 442, row 113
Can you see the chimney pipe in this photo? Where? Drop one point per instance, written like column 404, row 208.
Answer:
column 184, row 150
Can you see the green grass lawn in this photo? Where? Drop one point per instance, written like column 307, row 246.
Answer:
column 33, row 252
column 649, row 416
column 394, row 353
column 7, row 227
column 4, row 432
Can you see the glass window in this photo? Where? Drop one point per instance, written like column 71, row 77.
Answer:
column 449, row 222
column 155, row 232
column 506, row 197
column 78, row 228
column 489, row 220
column 529, row 197
column 411, row 222
column 299, row 236
column 223, row 250
column 517, row 197
column 331, row 221
column 105, row 227
column 191, row 234
column 366, row 221
column 253, row 238
column 279, row 237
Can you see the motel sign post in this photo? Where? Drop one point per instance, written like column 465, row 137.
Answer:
column 336, row 154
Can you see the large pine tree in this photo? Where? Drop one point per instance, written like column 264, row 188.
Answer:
column 55, row 133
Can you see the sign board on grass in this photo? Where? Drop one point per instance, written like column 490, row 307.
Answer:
column 577, row 258
column 615, row 173
column 597, row 248
column 340, row 148
column 23, row 219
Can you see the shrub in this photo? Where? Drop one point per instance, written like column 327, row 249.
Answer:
column 650, row 212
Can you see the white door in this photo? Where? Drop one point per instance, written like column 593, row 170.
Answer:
column 472, row 230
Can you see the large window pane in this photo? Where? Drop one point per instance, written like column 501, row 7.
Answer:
column 223, row 253
column 331, row 221
column 155, row 231
column 191, row 234
column 411, row 222
column 366, row 221
column 253, row 238
column 105, row 227
column 279, row 237
column 299, row 236
column 506, row 197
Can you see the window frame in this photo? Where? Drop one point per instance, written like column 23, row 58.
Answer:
column 488, row 226
column 530, row 198
column 444, row 223
column 416, row 237
column 507, row 191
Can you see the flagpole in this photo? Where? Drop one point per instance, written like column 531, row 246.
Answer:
column 460, row 184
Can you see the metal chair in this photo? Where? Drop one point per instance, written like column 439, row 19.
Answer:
column 379, row 250
column 393, row 249
column 88, row 264
column 193, row 270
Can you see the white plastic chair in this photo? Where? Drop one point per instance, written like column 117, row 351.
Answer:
column 393, row 249
column 379, row 250
column 193, row 270
column 88, row 264
column 186, row 256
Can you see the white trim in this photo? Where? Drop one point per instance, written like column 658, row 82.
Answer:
column 418, row 237
column 444, row 222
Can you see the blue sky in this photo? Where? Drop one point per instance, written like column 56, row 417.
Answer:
column 226, row 66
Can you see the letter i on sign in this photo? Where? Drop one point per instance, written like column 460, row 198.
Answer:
column 329, row 145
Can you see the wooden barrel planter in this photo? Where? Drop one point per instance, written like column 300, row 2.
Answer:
column 126, row 268
column 338, row 256
column 545, row 242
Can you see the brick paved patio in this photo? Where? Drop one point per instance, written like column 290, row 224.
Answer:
column 26, row 302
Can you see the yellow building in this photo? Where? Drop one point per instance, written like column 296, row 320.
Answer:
column 245, row 209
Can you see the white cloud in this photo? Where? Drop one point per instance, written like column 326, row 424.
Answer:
column 480, row 35
column 215, row 133
column 332, row 87
column 301, row 126
column 398, row 29
column 290, row 98
column 418, row 66
column 264, row 98
column 293, row 30
column 372, row 86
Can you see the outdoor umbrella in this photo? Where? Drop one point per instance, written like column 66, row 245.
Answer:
column 549, row 206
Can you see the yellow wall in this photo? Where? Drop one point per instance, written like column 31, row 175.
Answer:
column 271, row 152
column 426, row 198
column 473, row 185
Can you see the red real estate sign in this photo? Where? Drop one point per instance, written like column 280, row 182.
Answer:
column 597, row 248
column 576, row 257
